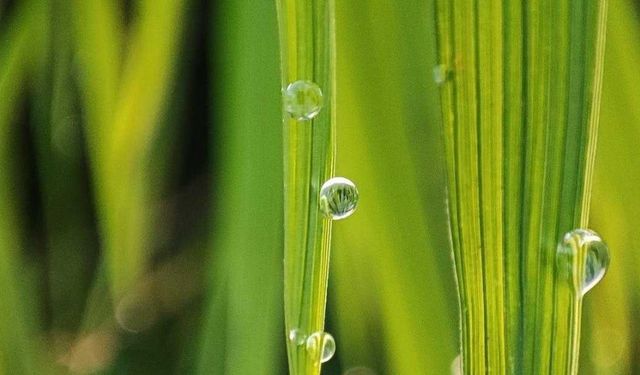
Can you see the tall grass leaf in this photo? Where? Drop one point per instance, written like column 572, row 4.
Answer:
column 123, row 109
column 242, row 331
column 520, row 107
column 307, row 45
column 59, row 146
column 147, row 76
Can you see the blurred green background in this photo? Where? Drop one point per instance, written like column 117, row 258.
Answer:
column 141, row 198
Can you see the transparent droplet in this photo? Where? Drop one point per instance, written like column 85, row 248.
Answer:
column 582, row 249
column 302, row 100
column 456, row 365
column 338, row 198
column 297, row 337
column 321, row 346
column 441, row 74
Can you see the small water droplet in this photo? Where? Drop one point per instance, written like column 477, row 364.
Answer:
column 321, row 346
column 302, row 100
column 583, row 245
column 297, row 337
column 338, row 198
column 441, row 74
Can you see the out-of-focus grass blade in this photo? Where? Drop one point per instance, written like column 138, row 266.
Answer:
column 18, row 324
column 128, row 180
column 99, row 40
column 612, row 342
column 58, row 140
column 123, row 117
column 243, row 331
column 391, row 257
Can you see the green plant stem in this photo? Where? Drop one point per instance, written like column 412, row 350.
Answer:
column 307, row 53
column 520, row 110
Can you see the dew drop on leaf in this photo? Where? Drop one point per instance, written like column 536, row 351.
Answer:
column 302, row 100
column 338, row 198
column 297, row 337
column 582, row 252
column 321, row 346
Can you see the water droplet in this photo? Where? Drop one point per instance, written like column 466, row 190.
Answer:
column 582, row 247
column 321, row 346
column 297, row 337
column 338, row 198
column 302, row 100
column 441, row 74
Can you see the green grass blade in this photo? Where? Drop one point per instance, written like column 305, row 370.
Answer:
column 520, row 107
column 66, row 204
column 307, row 53
column 98, row 41
column 123, row 111
column 146, row 80
column 242, row 332
column 587, row 36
